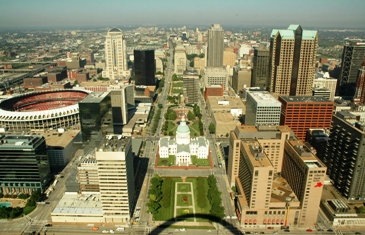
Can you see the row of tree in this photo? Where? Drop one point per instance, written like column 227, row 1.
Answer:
column 155, row 194
column 214, row 197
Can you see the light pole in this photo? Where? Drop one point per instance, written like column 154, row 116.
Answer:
column 287, row 205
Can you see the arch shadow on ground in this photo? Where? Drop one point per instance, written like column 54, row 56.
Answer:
column 226, row 225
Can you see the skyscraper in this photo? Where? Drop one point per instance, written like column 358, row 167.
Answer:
column 115, row 55
column 260, row 70
column 272, row 172
column 353, row 56
column 292, row 61
column 344, row 155
column 122, row 99
column 116, row 179
column 144, row 67
column 24, row 164
column 179, row 60
column 215, row 46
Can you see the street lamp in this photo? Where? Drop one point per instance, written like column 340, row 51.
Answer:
column 287, row 205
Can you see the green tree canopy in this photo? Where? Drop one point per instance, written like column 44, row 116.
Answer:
column 211, row 128
column 191, row 116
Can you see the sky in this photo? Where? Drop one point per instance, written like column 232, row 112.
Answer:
column 111, row 13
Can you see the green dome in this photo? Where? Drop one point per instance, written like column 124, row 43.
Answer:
column 183, row 128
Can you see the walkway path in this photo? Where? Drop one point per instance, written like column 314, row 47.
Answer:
column 176, row 207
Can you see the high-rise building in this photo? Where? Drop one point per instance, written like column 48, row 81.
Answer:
column 92, row 110
column 353, row 56
column 24, row 164
column 302, row 113
column 292, row 61
column 144, row 67
column 229, row 58
column 122, row 99
column 216, row 76
column 325, row 81
column 115, row 55
column 191, row 86
column 116, row 179
column 262, row 109
column 359, row 97
column 215, row 46
column 87, row 175
column 272, row 172
column 271, row 138
column 260, row 70
column 344, row 155
column 241, row 79
column 179, row 60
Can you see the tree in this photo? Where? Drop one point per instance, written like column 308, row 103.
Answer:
column 227, row 134
column 361, row 210
column 191, row 116
column 211, row 128
column 153, row 206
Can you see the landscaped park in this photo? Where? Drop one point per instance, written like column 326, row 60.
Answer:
column 179, row 199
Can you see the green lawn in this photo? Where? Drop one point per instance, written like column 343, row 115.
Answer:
column 199, row 210
column 28, row 209
column 167, row 213
column 182, row 187
column 194, row 129
column 177, row 84
column 184, row 200
column 166, row 161
column 200, row 162
column 184, row 211
column 177, row 90
column 171, row 127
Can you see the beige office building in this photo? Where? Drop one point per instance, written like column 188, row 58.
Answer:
column 179, row 60
column 292, row 61
column 215, row 46
column 216, row 76
column 116, row 179
column 115, row 55
column 229, row 58
column 199, row 63
column 278, row 179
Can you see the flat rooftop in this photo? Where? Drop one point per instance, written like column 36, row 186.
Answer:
column 225, row 102
column 305, row 99
column 224, row 122
column 60, row 139
column 264, row 98
column 79, row 204
column 94, row 97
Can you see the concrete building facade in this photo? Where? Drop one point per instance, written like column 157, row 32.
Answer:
column 344, row 155
column 215, row 48
column 179, row 60
column 262, row 109
column 241, row 78
column 216, row 76
column 116, row 179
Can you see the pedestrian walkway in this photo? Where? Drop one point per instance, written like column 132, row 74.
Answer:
column 177, row 193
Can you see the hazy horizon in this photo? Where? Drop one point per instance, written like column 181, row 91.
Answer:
column 38, row 14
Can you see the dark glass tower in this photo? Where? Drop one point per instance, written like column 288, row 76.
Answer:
column 352, row 57
column 24, row 164
column 144, row 67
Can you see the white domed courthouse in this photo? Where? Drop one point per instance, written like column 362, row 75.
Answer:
column 183, row 147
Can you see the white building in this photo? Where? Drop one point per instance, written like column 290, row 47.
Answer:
column 323, row 80
column 115, row 56
column 262, row 109
column 183, row 147
column 179, row 60
column 216, row 76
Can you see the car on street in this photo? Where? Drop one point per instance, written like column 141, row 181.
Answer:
column 329, row 230
column 111, row 231
column 105, row 231
column 95, row 228
column 276, row 232
column 309, row 230
column 357, row 233
column 287, row 230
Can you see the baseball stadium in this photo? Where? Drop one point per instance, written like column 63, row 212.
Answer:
column 42, row 110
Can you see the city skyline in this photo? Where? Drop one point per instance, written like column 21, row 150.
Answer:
column 311, row 13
